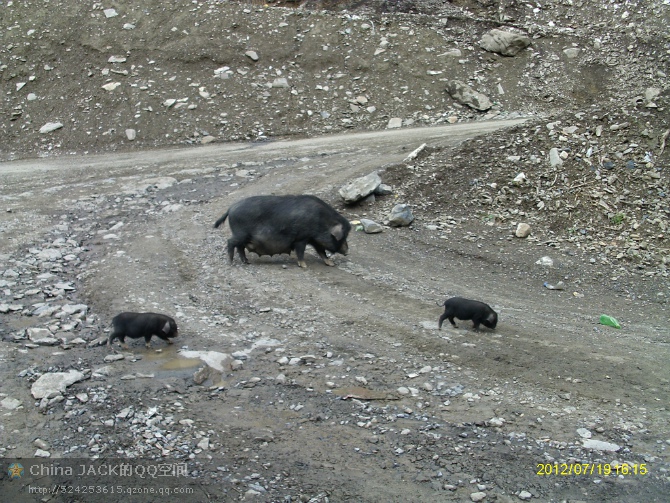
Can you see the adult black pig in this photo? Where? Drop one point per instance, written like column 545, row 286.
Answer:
column 269, row 225
column 466, row 309
column 135, row 325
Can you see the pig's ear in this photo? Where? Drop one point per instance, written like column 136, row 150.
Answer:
column 166, row 327
column 337, row 232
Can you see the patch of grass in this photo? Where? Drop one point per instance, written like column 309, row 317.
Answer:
column 618, row 218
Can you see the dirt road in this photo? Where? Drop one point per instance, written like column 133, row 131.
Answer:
column 334, row 383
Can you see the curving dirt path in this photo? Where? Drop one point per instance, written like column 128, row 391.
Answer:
column 362, row 330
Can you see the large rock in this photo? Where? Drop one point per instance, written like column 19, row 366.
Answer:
column 55, row 383
column 370, row 226
column 42, row 336
column 401, row 216
column 360, row 188
column 465, row 95
column 504, row 42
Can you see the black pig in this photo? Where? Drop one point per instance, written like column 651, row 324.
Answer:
column 269, row 225
column 135, row 325
column 465, row 309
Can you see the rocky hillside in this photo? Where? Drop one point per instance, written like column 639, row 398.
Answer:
column 589, row 167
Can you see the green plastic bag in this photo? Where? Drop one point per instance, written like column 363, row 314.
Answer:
column 609, row 321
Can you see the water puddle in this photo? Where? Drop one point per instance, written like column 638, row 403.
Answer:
column 171, row 359
column 180, row 364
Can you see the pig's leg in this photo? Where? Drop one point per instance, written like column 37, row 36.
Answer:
column 442, row 318
column 147, row 341
column 231, row 250
column 242, row 254
column 236, row 244
column 322, row 253
column 300, row 253
column 446, row 316
column 114, row 335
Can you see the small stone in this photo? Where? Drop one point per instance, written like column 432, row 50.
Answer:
column 50, row 126
column 478, row 496
column 394, row 123
column 131, row 134
column 584, row 433
column 251, row 55
column 545, row 261
column 522, row 230
column 41, row 444
column 110, row 86
column 571, row 52
column 371, row 227
column 280, row 83
column 201, row 375
column 41, row 453
column 525, row 495
column 555, row 158
column 496, row 421
column 599, row 445
column 110, row 13
column 113, row 358
column 125, row 413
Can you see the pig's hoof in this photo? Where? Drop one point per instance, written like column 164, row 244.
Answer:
column 148, row 346
column 170, row 342
column 329, row 262
column 125, row 346
column 302, row 264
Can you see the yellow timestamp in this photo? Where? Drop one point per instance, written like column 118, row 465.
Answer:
column 567, row 469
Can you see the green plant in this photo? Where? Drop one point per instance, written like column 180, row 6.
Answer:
column 618, row 218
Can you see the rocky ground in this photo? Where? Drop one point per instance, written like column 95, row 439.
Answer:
column 332, row 384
